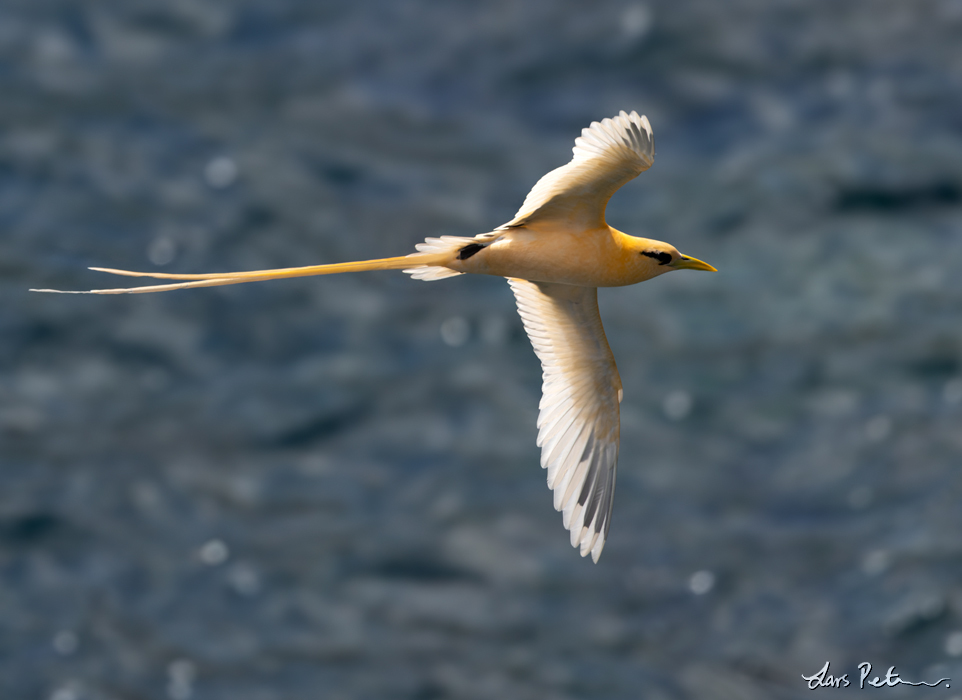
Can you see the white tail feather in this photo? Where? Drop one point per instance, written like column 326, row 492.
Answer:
column 449, row 245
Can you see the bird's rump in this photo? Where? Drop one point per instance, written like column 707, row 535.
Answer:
column 579, row 423
column 608, row 154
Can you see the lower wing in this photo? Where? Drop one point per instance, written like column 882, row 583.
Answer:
column 579, row 424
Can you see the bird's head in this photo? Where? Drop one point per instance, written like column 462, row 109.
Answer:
column 653, row 258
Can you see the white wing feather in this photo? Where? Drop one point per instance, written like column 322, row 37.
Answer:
column 606, row 156
column 579, row 423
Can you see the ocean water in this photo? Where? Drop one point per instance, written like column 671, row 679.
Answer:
column 329, row 487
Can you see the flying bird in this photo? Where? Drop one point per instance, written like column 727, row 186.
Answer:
column 555, row 253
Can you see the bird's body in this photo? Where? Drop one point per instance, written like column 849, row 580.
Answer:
column 600, row 257
column 555, row 253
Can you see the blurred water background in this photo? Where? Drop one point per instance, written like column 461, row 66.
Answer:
column 329, row 487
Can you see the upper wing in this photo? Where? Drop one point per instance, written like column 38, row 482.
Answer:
column 579, row 424
column 606, row 156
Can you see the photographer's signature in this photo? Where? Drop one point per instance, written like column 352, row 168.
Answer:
column 823, row 679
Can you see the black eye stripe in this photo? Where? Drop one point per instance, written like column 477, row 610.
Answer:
column 661, row 257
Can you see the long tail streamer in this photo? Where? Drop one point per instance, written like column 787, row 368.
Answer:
column 218, row 279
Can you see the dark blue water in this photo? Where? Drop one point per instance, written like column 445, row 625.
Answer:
column 329, row 488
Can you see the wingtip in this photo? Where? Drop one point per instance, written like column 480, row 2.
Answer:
column 596, row 547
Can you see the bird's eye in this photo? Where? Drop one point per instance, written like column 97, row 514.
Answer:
column 662, row 257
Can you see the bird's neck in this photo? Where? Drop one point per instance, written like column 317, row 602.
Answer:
column 633, row 267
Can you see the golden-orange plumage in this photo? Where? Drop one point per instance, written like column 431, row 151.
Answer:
column 555, row 252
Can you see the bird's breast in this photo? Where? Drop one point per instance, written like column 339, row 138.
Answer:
column 587, row 259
